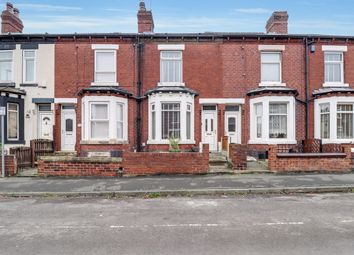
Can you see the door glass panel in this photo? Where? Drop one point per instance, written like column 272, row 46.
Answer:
column 69, row 125
column 206, row 125
column 211, row 125
column 232, row 124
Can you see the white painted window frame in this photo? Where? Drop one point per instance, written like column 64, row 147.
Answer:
column 18, row 121
column 333, row 101
column 12, row 66
column 105, row 48
column 171, row 47
column 291, row 127
column 273, row 83
column 335, row 84
column 112, row 115
column 183, row 100
column 24, row 69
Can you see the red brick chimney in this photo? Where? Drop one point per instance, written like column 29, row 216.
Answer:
column 11, row 22
column 278, row 23
column 145, row 19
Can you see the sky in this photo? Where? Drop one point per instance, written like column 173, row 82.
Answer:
column 178, row 16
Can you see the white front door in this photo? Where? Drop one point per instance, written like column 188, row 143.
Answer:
column 45, row 130
column 209, row 129
column 68, row 130
column 232, row 127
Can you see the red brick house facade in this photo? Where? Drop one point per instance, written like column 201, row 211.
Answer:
column 124, row 92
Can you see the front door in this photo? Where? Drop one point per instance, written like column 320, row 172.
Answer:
column 45, row 130
column 209, row 129
column 232, row 126
column 68, row 130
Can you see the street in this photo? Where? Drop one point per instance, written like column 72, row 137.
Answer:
column 298, row 224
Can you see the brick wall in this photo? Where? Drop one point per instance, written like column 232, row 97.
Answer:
column 10, row 165
column 78, row 167
column 329, row 162
column 140, row 163
column 238, row 156
column 150, row 163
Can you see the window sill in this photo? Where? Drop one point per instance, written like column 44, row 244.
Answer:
column 272, row 84
column 29, row 85
column 340, row 141
column 104, row 84
column 171, row 84
column 273, row 141
column 335, row 84
column 162, row 142
column 7, row 84
column 102, row 142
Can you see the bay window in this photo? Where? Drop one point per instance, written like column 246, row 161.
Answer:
column 278, row 120
column 104, row 119
column 12, row 121
column 171, row 116
column 6, row 66
column 334, row 119
column 272, row 120
column 325, row 120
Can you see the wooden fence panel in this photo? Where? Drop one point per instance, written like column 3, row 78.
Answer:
column 41, row 147
column 23, row 156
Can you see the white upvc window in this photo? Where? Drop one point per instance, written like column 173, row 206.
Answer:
column 105, row 119
column 105, row 65
column 272, row 120
column 325, row 120
column 29, row 66
column 6, row 66
column 334, row 69
column 13, row 122
column 271, row 69
column 99, row 121
column 171, row 116
column 334, row 119
column 171, row 65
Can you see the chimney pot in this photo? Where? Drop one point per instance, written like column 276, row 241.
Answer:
column 278, row 23
column 9, row 6
column 17, row 12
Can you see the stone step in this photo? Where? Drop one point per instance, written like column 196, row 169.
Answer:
column 27, row 172
column 221, row 169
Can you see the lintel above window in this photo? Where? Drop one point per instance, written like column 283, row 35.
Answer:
column 335, row 48
column 171, row 47
column 271, row 47
column 105, row 46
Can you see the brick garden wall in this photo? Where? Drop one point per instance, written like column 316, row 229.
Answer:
column 10, row 165
column 327, row 162
column 140, row 163
column 238, row 156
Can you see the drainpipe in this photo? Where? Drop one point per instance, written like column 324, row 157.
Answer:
column 140, row 47
column 307, row 80
column 306, row 88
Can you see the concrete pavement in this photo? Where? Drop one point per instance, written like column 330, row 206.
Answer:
column 225, row 184
column 313, row 224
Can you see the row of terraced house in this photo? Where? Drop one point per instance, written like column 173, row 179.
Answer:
column 100, row 95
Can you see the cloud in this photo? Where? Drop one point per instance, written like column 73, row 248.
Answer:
column 254, row 10
column 48, row 7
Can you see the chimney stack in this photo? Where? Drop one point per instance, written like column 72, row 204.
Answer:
column 11, row 22
column 145, row 19
column 278, row 23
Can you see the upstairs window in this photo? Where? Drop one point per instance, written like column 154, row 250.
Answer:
column 29, row 66
column 171, row 67
column 334, row 70
column 270, row 67
column 105, row 66
column 6, row 66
